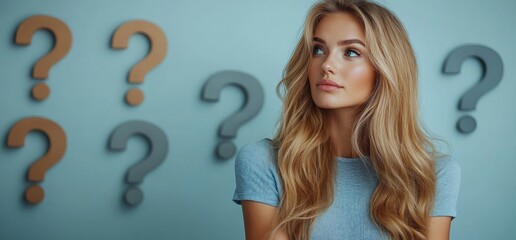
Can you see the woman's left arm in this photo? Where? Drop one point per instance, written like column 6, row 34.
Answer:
column 439, row 228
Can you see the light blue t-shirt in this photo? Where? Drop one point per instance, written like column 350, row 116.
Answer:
column 348, row 217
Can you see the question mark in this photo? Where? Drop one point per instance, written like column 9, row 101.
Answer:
column 157, row 52
column 253, row 103
column 159, row 149
column 493, row 72
column 63, row 43
column 56, row 149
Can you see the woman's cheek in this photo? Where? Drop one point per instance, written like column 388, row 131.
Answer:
column 361, row 75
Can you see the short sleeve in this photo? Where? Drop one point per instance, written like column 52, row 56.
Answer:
column 448, row 174
column 255, row 174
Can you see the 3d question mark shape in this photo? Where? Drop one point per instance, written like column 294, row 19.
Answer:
column 158, row 146
column 62, row 45
column 253, row 103
column 56, row 149
column 157, row 52
column 493, row 72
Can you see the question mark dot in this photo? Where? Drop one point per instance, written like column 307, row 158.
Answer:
column 34, row 194
column 134, row 196
column 134, row 97
column 466, row 124
column 226, row 149
column 40, row 92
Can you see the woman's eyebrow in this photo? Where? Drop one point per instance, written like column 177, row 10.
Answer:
column 343, row 42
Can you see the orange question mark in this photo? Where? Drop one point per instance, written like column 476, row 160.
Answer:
column 157, row 52
column 56, row 149
column 63, row 43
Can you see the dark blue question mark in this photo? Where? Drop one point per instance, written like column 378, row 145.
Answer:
column 492, row 75
column 158, row 152
column 253, row 103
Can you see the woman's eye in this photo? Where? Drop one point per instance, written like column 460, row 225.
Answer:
column 351, row 53
column 318, row 50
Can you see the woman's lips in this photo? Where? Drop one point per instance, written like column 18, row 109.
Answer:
column 328, row 85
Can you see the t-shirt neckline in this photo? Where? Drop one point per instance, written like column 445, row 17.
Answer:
column 348, row 159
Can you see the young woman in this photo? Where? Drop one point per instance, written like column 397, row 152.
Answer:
column 350, row 159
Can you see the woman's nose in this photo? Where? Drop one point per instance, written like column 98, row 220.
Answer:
column 328, row 66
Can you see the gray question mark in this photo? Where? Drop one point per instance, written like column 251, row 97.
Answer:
column 158, row 152
column 492, row 75
column 253, row 103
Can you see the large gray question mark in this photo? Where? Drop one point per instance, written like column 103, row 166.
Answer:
column 253, row 103
column 158, row 152
column 492, row 75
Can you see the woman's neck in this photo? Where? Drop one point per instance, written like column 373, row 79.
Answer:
column 340, row 124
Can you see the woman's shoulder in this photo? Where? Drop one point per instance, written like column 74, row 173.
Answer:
column 448, row 174
column 256, row 175
column 259, row 152
column 447, row 166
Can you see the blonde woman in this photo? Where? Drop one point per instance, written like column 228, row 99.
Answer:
column 350, row 159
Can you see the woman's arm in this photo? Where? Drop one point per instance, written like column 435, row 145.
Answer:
column 439, row 228
column 258, row 221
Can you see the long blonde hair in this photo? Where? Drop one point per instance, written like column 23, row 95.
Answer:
column 387, row 131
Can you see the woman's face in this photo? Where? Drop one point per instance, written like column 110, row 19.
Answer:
column 340, row 73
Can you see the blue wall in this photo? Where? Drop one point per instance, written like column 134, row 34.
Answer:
column 189, row 195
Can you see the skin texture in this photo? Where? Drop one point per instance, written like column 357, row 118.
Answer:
column 346, row 64
column 340, row 55
column 258, row 219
